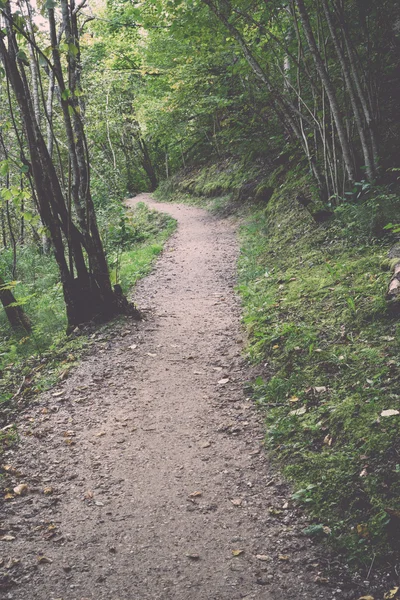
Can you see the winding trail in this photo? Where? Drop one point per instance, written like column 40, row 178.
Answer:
column 146, row 472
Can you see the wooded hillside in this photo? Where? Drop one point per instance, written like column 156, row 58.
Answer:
column 284, row 110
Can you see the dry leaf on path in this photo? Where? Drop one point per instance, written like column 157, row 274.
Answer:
column 88, row 495
column 393, row 593
column 236, row 501
column 48, row 491
column 133, row 347
column 263, row 557
column 195, row 494
column 21, row 489
column 284, row 557
column 223, row 381
column 44, row 560
column 366, row 598
column 7, row 538
column 237, row 552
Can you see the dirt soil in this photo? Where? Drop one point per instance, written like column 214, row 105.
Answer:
column 145, row 471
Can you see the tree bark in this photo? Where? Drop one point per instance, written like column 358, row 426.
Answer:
column 15, row 314
column 369, row 163
column 330, row 92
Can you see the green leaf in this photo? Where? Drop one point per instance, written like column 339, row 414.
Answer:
column 73, row 49
column 4, row 168
column 22, row 57
column 6, row 194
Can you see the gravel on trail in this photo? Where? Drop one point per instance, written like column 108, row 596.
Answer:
column 144, row 471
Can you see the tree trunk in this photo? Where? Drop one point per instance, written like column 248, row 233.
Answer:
column 352, row 95
column 330, row 92
column 87, row 289
column 16, row 316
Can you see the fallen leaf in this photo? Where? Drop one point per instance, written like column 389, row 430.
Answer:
column 320, row 389
column 299, row 411
column 237, row 552
column 195, row 494
column 11, row 563
column 100, row 433
column 274, row 511
column 57, row 394
column 88, row 495
column 151, row 354
column 366, row 598
column 7, row 538
column 206, row 444
column 362, row 530
column 284, row 557
column 21, row 489
column 328, row 439
column 390, row 413
column 48, row 491
column 223, row 381
column 275, row 347
column 327, row 530
column 236, row 501
column 9, row 496
column 44, row 560
column 263, row 557
column 391, row 594
column 133, row 347
column 294, row 399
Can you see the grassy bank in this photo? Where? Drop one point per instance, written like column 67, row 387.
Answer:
column 31, row 364
column 315, row 310
column 317, row 321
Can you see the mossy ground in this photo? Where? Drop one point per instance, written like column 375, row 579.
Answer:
column 317, row 320
column 33, row 363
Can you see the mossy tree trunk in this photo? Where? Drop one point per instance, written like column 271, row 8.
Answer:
column 74, row 234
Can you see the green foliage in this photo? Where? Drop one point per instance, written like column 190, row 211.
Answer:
column 316, row 315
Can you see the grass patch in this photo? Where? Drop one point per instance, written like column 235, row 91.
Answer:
column 315, row 311
column 30, row 364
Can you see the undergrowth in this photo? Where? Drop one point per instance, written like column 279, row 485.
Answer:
column 32, row 363
column 315, row 311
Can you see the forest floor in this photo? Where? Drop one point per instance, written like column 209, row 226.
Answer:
column 143, row 475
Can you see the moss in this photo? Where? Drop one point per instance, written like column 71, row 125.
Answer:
column 314, row 307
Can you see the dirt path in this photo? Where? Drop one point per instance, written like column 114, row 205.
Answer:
column 145, row 468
